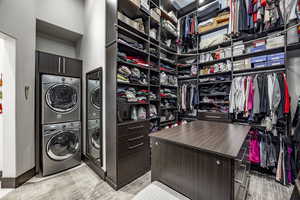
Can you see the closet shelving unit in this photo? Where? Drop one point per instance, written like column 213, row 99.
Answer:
column 128, row 146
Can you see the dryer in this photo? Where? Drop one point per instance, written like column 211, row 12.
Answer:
column 61, row 147
column 60, row 99
column 94, row 137
column 94, row 99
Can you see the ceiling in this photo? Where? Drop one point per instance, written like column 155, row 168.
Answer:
column 179, row 4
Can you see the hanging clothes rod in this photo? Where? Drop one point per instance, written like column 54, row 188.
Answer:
column 259, row 72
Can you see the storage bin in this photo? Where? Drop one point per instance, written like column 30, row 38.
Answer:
column 154, row 15
column 276, row 62
column 276, row 56
column 260, row 64
column 275, row 42
column 258, row 48
column 136, row 2
column 259, row 59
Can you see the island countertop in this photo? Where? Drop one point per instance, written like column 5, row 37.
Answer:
column 224, row 139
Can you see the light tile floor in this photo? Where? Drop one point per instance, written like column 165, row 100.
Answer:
column 81, row 183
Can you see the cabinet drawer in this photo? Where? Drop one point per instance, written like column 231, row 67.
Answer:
column 133, row 143
column 210, row 116
column 133, row 129
column 132, row 166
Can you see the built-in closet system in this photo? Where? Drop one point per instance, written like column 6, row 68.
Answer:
column 127, row 132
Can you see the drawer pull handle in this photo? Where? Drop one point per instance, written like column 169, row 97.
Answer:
column 218, row 162
column 134, row 139
column 136, row 146
column 213, row 117
column 135, row 127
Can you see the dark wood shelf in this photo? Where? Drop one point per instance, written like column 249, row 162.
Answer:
column 131, row 10
column 215, row 74
column 169, row 86
column 136, row 50
column 216, row 82
column 129, row 29
column 169, row 72
column 132, row 65
column 166, row 16
column 168, row 122
column 133, row 103
column 131, row 122
column 259, row 69
column 167, row 61
column 213, row 95
column 132, row 84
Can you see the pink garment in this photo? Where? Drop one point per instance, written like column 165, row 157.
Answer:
column 254, row 149
column 251, row 95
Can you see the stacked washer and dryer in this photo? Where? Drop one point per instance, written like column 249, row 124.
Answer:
column 61, row 123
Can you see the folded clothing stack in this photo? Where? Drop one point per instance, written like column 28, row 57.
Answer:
column 154, row 80
column 188, row 72
column 167, row 116
column 130, row 42
column 215, row 89
column 132, row 59
column 167, row 93
column 125, row 75
column 168, row 80
column 216, row 68
column 141, row 96
column 131, row 95
column 152, row 96
column 170, row 103
column 164, row 67
column 126, row 94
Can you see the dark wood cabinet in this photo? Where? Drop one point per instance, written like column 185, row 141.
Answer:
column 133, row 153
column 72, row 67
column 59, row 65
column 202, row 160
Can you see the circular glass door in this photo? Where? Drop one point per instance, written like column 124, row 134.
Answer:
column 95, row 138
column 96, row 98
column 63, row 146
column 62, row 98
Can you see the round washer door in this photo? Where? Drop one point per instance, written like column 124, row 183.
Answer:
column 95, row 138
column 96, row 98
column 62, row 98
column 63, row 146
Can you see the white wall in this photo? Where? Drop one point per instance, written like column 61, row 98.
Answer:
column 8, row 118
column 64, row 13
column 17, row 18
column 93, row 48
column 56, row 46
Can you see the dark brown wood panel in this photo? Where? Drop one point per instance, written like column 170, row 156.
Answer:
column 72, row 67
column 219, row 138
column 133, row 129
column 195, row 174
column 49, row 64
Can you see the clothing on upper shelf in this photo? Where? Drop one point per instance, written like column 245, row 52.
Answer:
column 254, row 16
column 134, row 75
column 153, row 111
column 170, row 103
column 260, row 98
column 138, row 113
column 168, row 80
column 167, row 93
column 152, row 96
column 216, row 68
column 188, row 33
column 188, row 97
column 130, row 42
column 132, row 59
column 125, row 94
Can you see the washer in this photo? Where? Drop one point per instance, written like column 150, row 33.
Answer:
column 94, row 99
column 94, row 137
column 61, row 147
column 60, row 99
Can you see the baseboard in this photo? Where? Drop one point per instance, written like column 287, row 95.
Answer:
column 18, row 181
column 111, row 183
column 99, row 171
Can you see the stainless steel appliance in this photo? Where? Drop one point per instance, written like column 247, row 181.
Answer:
column 61, row 147
column 94, row 147
column 94, row 99
column 60, row 99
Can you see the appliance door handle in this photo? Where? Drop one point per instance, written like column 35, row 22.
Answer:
column 136, row 146
column 135, row 127
column 64, row 65
column 134, row 139
column 59, row 63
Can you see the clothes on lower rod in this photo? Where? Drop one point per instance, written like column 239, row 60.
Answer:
column 274, row 153
column 188, row 97
column 260, row 98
